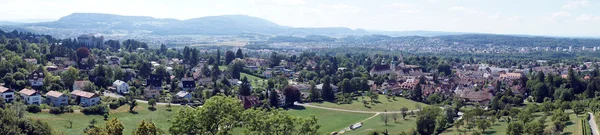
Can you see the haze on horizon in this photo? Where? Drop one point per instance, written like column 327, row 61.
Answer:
column 579, row 18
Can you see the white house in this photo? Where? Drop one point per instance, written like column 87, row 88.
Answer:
column 184, row 95
column 56, row 98
column 31, row 96
column 78, row 85
column 86, row 98
column 121, row 86
column 36, row 78
column 7, row 94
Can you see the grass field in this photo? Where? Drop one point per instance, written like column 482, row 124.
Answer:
column 382, row 105
column 500, row 127
column 330, row 121
column 375, row 124
column 160, row 117
column 254, row 81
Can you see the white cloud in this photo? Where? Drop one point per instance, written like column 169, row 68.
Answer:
column 586, row 17
column 494, row 17
column 280, row 2
column 402, row 7
column 513, row 18
column 575, row 4
column 339, row 8
column 464, row 9
column 559, row 16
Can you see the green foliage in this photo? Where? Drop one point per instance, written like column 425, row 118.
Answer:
column 34, row 108
column 12, row 124
column 426, row 120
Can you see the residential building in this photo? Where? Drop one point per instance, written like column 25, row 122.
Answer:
column 56, row 98
column 114, row 61
column 333, row 87
column 152, row 91
column 121, row 86
column 7, row 94
column 79, row 85
column 184, row 95
column 36, row 78
column 86, row 98
column 91, row 40
column 187, row 84
column 31, row 61
column 249, row 101
column 31, row 97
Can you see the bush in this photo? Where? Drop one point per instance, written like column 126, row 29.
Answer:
column 34, row 108
column 114, row 105
column 97, row 109
column 56, row 110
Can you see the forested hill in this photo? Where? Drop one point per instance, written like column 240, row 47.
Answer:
column 79, row 23
column 451, row 40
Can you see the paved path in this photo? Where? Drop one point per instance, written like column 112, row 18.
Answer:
column 348, row 128
column 593, row 124
column 354, row 111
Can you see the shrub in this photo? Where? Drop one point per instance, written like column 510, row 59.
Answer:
column 34, row 108
column 56, row 110
column 114, row 105
column 97, row 109
column 122, row 101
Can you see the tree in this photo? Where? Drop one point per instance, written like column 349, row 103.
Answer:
column 395, row 116
column 385, row 118
column 229, row 57
column 132, row 105
column 70, row 76
column 483, row 125
column 114, row 127
column 236, row 68
column 292, row 94
column 534, row 128
column 218, row 115
column 245, row 87
column 82, row 52
column 441, row 123
column 239, row 54
column 426, row 120
column 275, row 59
column 147, row 128
column 218, row 59
column 277, row 122
column 416, row 94
column 578, row 107
column 273, row 98
column 152, row 103
column 327, row 92
column 404, row 111
column 314, row 93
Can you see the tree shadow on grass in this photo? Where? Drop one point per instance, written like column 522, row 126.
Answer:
column 152, row 108
column 296, row 107
column 567, row 133
column 133, row 112
column 569, row 123
column 489, row 132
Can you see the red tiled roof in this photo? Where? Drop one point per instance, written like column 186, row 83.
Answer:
column 4, row 89
column 28, row 92
column 85, row 94
column 55, row 94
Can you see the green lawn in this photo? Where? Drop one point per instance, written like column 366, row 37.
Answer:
column 375, row 124
column 500, row 127
column 255, row 81
column 382, row 105
column 330, row 121
column 160, row 117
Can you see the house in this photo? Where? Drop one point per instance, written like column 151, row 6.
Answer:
column 32, row 97
column 86, row 98
column 380, row 70
column 205, row 81
column 333, row 87
column 249, row 101
column 91, row 40
column 36, row 78
column 56, row 98
column 7, row 94
column 31, row 61
column 114, row 61
column 79, row 85
column 184, row 95
column 121, row 86
column 152, row 91
column 268, row 74
column 471, row 95
column 187, row 84
column 154, row 80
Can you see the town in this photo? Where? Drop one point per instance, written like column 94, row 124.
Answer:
column 99, row 77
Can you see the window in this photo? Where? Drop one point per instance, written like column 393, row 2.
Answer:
column 8, row 96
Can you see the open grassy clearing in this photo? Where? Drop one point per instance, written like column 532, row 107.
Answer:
column 330, row 121
column 375, row 124
column 383, row 104
column 161, row 117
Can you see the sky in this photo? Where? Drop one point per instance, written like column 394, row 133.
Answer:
column 527, row 17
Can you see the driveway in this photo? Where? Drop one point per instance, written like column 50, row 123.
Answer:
column 593, row 124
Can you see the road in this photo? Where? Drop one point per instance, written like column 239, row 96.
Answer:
column 593, row 124
column 114, row 95
column 354, row 111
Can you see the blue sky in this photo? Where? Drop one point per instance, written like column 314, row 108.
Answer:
column 531, row 17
